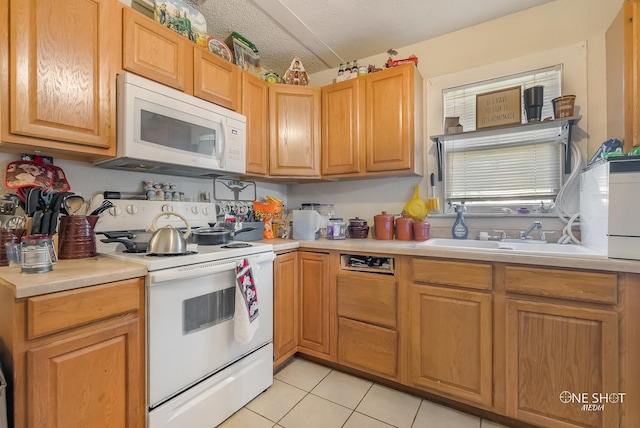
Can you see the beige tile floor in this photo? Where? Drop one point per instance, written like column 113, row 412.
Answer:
column 308, row 395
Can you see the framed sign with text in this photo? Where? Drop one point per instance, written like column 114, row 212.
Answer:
column 499, row 108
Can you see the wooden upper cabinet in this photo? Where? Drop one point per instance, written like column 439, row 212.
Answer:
column 623, row 75
column 215, row 79
column 294, row 134
column 393, row 103
column 553, row 348
column 254, row 104
column 341, row 119
column 61, row 85
column 155, row 52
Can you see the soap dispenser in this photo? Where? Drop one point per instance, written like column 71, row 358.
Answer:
column 459, row 229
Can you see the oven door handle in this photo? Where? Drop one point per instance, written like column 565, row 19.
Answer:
column 192, row 271
column 204, row 269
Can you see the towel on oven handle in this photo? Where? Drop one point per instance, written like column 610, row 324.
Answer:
column 246, row 320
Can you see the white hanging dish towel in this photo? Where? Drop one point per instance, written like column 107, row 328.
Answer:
column 246, row 320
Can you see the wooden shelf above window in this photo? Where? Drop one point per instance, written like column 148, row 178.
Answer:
column 567, row 122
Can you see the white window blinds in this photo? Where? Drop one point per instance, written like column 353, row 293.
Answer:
column 515, row 165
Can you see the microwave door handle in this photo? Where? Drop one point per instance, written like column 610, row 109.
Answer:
column 221, row 148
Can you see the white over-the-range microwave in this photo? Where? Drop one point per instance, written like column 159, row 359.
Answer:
column 165, row 131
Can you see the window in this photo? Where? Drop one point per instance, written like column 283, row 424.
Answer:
column 509, row 167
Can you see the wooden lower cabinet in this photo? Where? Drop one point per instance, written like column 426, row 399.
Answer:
column 86, row 381
column 313, row 298
column 76, row 358
column 367, row 321
column 285, row 307
column 555, row 350
column 368, row 347
column 451, row 342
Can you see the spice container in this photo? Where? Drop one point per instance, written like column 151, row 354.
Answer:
column 421, row 230
column 336, row 228
column 358, row 228
column 383, row 226
column 404, row 228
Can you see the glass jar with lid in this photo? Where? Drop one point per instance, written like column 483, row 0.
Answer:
column 336, row 228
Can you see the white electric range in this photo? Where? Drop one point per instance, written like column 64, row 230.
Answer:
column 198, row 373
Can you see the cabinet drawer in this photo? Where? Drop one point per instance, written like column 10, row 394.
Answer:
column 368, row 297
column 459, row 274
column 368, row 347
column 564, row 284
column 68, row 309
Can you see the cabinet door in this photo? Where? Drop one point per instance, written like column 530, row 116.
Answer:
column 389, row 119
column 341, row 119
column 61, row 83
column 294, row 131
column 215, row 79
column 285, row 306
column 368, row 347
column 313, row 294
column 155, row 52
column 554, row 351
column 254, row 105
column 88, row 381
column 451, row 342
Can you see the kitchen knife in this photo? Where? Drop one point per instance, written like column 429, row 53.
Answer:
column 36, row 225
column 54, row 209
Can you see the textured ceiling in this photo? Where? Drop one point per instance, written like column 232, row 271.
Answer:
column 324, row 33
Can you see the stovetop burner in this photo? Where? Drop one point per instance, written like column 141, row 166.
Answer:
column 186, row 253
column 237, row 245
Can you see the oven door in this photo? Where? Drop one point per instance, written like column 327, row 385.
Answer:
column 190, row 322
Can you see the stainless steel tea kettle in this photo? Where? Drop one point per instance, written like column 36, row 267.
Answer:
column 167, row 239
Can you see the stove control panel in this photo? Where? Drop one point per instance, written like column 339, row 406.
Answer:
column 129, row 214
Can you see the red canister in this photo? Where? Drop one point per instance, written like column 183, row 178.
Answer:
column 404, row 228
column 383, row 226
column 421, row 230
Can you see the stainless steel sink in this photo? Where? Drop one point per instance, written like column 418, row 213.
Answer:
column 514, row 247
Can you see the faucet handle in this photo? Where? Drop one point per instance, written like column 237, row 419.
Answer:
column 543, row 234
column 502, row 233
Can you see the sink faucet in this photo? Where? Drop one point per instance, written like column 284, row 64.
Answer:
column 524, row 234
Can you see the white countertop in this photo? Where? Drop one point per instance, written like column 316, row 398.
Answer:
column 71, row 274
column 68, row 275
column 409, row 248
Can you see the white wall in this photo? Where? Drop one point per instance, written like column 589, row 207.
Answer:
column 87, row 180
column 555, row 26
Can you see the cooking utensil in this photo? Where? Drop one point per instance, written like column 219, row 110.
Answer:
column 168, row 240
column 73, row 203
column 416, row 208
column 105, row 205
column 131, row 246
column 216, row 235
column 433, row 203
